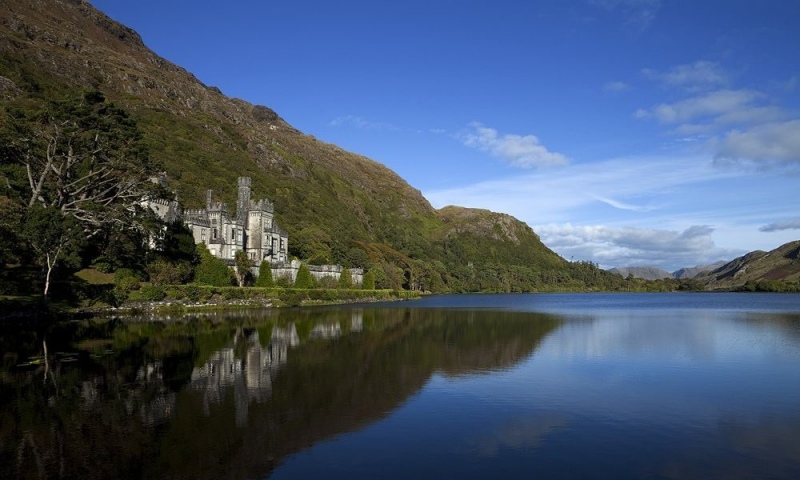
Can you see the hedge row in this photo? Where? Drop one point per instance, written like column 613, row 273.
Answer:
column 287, row 296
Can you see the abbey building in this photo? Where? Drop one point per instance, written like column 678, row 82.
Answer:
column 251, row 227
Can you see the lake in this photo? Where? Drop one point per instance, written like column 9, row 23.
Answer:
column 464, row 386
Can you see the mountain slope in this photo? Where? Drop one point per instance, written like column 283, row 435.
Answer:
column 338, row 207
column 647, row 273
column 781, row 264
column 691, row 272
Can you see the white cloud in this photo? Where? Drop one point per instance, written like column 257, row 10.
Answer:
column 772, row 143
column 737, row 125
column 523, row 151
column 638, row 14
column 788, row 225
column 360, row 122
column 700, row 75
column 628, row 246
column 616, row 87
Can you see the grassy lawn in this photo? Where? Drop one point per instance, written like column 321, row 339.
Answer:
column 95, row 277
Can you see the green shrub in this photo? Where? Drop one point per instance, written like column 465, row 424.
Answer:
column 212, row 270
column 233, row 293
column 126, row 284
column 152, row 293
column 327, row 282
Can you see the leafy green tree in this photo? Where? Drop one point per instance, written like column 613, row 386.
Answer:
column 264, row 275
column 55, row 238
column 304, row 278
column 211, row 270
column 244, row 275
column 345, row 280
column 368, row 282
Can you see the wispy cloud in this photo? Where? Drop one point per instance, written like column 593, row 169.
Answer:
column 361, row 122
column 523, row 151
column 616, row 87
column 622, row 205
column 558, row 195
column 697, row 76
column 637, row 14
column 788, row 225
column 627, row 246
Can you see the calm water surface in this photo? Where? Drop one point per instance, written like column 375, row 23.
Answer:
column 473, row 386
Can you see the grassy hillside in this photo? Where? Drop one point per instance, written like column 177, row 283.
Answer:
column 758, row 270
column 338, row 207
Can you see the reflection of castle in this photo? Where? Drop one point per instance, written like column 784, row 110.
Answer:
column 250, row 377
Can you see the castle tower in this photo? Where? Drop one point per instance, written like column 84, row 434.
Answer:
column 209, row 199
column 243, row 201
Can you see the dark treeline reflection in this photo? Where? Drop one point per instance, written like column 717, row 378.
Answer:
column 228, row 396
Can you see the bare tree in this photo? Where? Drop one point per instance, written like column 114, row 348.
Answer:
column 85, row 158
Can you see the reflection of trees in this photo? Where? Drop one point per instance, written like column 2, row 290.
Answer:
column 330, row 387
column 211, row 399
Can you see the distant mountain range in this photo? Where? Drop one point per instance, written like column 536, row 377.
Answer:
column 655, row 273
column 781, row 264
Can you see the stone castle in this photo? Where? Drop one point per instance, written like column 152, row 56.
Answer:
column 252, row 228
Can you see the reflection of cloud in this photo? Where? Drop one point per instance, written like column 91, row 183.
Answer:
column 525, row 432
column 768, row 437
column 635, row 335
column 766, row 448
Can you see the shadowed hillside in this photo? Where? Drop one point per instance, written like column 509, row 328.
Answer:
column 338, row 207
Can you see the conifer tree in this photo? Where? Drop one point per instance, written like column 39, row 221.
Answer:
column 368, row 283
column 265, row 275
column 304, row 278
column 345, row 280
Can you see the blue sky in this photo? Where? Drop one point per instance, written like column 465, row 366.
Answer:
column 625, row 132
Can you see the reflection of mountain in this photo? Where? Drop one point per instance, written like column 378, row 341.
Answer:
column 328, row 388
column 203, row 399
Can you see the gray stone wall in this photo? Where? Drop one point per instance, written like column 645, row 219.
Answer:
column 289, row 270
